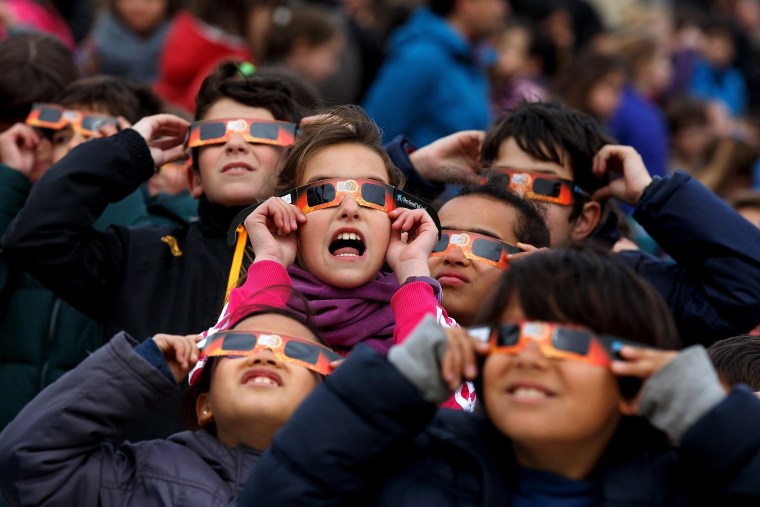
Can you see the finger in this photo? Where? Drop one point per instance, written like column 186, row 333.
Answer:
column 601, row 194
column 336, row 363
column 469, row 359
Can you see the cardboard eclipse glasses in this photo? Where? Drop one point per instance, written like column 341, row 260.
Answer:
column 55, row 117
column 329, row 193
column 275, row 133
column 476, row 247
column 298, row 351
column 536, row 187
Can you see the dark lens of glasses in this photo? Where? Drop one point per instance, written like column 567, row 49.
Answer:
column 548, row 188
column 49, row 114
column 374, row 194
column 572, row 340
column 94, row 123
column 499, row 179
column 302, row 352
column 509, row 334
column 212, row 131
column 442, row 243
column 237, row 341
column 487, row 249
column 264, row 131
column 320, row 194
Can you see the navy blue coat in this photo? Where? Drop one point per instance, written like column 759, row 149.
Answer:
column 366, row 437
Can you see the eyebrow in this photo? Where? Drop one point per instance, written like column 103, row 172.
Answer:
column 319, row 178
column 476, row 230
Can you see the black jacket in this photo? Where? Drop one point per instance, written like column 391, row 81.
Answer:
column 367, row 437
column 140, row 279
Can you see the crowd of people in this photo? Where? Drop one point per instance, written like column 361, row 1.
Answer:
column 453, row 252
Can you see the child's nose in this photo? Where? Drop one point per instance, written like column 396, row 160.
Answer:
column 76, row 140
column 531, row 356
column 265, row 356
column 456, row 257
column 349, row 208
column 236, row 143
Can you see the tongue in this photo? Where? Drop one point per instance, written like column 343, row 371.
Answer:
column 346, row 250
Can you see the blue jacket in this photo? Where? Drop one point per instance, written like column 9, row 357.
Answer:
column 641, row 124
column 367, row 437
column 431, row 84
column 724, row 85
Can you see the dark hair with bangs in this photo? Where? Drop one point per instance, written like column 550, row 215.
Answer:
column 226, row 81
column 551, row 132
column 335, row 125
column 586, row 285
column 530, row 228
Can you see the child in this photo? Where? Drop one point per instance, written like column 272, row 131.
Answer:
column 145, row 279
column 57, row 450
column 482, row 227
column 342, row 222
column 127, row 38
column 564, row 330
column 516, row 74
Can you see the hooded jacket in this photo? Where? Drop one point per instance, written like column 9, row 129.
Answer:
column 431, row 83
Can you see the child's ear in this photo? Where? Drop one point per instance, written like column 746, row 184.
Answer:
column 194, row 182
column 587, row 221
column 203, row 410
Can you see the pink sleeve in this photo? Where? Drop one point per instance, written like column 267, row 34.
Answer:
column 411, row 303
column 267, row 284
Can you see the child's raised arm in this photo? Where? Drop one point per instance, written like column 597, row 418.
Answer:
column 413, row 235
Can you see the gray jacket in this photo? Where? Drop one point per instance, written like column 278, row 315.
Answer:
column 56, row 451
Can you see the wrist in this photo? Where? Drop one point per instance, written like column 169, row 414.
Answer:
column 650, row 184
column 411, row 271
column 266, row 257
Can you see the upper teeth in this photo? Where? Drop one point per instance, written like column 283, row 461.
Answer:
column 263, row 380
column 348, row 235
column 529, row 392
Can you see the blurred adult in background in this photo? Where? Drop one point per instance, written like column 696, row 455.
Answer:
column 432, row 82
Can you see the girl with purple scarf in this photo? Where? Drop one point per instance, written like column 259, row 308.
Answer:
column 336, row 234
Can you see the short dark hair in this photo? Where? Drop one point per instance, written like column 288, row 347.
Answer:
column 737, row 360
column 36, row 67
column 228, row 81
column 552, row 132
column 575, row 83
column 336, row 125
column 586, row 285
column 530, row 228
column 113, row 95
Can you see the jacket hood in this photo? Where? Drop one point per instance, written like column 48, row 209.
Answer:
column 426, row 27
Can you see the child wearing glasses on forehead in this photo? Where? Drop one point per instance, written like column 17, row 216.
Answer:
column 255, row 375
column 566, row 336
column 352, row 242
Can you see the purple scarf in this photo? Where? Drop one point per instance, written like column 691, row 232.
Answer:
column 347, row 317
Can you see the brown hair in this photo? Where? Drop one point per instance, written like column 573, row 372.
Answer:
column 337, row 125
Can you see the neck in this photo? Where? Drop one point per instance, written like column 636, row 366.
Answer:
column 575, row 460
column 254, row 434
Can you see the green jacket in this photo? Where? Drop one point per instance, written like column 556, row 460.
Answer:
column 42, row 337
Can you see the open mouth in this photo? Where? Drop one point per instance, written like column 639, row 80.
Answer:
column 347, row 244
column 262, row 378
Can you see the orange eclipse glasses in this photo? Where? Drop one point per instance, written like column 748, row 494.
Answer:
column 275, row 133
column 556, row 341
column 536, row 187
column 476, row 247
column 329, row 193
column 55, row 117
column 297, row 351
